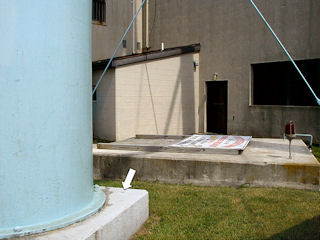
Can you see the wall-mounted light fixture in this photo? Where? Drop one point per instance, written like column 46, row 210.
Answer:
column 215, row 76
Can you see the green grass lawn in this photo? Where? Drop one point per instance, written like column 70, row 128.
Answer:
column 316, row 152
column 191, row 212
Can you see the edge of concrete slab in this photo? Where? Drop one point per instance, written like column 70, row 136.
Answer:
column 124, row 212
column 205, row 173
column 264, row 163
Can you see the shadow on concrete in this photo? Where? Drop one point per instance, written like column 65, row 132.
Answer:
column 178, row 117
column 104, row 109
column 151, row 99
column 307, row 230
column 173, row 100
column 187, row 96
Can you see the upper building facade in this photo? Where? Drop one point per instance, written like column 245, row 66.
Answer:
column 110, row 19
column 247, row 85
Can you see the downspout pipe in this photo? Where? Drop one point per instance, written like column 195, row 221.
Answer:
column 285, row 50
column 133, row 28
column 117, row 49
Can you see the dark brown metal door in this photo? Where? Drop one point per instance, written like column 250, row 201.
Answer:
column 217, row 106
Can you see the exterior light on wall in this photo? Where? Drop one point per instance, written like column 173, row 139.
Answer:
column 215, row 76
column 195, row 64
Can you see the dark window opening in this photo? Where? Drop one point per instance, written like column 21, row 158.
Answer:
column 279, row 83
column 99, row 11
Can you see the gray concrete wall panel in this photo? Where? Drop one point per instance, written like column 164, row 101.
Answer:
column 232, row 37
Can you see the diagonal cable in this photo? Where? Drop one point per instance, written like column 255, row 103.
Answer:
column 285, row 50
column 115, row 52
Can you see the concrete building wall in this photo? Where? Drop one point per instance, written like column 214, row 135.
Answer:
column 232, row 37
column 152, row 97
column 104, row 108
column 105, row 37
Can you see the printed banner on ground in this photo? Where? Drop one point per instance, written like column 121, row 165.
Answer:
column 214, row 141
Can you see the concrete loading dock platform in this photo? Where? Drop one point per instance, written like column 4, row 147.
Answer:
column 264, row 162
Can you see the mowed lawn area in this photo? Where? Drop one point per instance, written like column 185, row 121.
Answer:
column 316, row 152
column 192, row 212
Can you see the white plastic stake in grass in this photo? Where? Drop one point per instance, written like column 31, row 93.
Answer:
column 127, row 183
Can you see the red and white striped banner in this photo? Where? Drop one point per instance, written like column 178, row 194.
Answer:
column 214, row 141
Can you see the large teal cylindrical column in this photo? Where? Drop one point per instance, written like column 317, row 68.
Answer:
column 45, row 115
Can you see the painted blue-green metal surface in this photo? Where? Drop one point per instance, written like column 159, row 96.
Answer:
column 45, row 115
